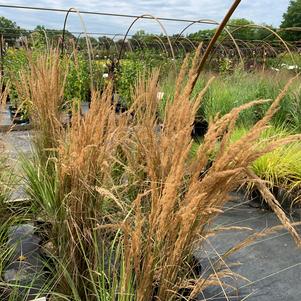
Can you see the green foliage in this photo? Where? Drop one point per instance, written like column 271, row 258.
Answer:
column 243, row 29
column 107, row 277
column 228, row 92
column 82, row 42
column 78, row 81
column 39, row 38
column 293, row 115
column 225, row 65
column 127, row 75
column 289, row 59
column 202, row 35
column 78, row 78
column 244, row 33
column 292, row 18
column 9, row 30
column 279, row 168
column 41, row 187
column 14, row 61
column 231, row 90
column 139, row 63
column 247, row 31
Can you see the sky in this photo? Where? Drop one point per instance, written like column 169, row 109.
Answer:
column 260, row 11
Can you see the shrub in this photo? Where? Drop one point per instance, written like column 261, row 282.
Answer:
column 14, row 61
column 78, row 77
column 139, row 63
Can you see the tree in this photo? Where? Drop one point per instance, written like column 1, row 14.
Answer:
column 247, row 31
column 54, row 36
column 82, row 42
column 10, row 31
column 202, row 35
column 263, row 33
column 105, row 42
column 292, row 18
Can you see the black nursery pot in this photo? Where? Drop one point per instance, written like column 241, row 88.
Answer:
column 284, row 197
column 17, row 115
column 196, row 271
column 20, row 120
column 14, row 113
column 200, row 128
column 12, row 109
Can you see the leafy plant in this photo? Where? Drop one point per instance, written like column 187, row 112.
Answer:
column 139, row 63
column 78, row 78
column 14, row 61
column 225, row 65
column 284, row 60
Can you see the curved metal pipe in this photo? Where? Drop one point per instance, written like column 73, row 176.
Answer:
column 64, row 30
column 137, row 41
column 190, row 42
column 161, row 43
column 181, row 44
column 216, row 23
column 130, row 27
column 272, row 32
column 114, row 43
column 88, row 42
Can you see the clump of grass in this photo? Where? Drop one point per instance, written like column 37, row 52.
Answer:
column 293, row 111
column 5, row 183
column 85, row 160
column 78, row 195
column 181, row 196
column 281, row 167
column 4, row 91
column 236, row 89
column 130, row 176
column 41, row 88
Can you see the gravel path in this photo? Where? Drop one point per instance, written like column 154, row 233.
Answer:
column 17, row 143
